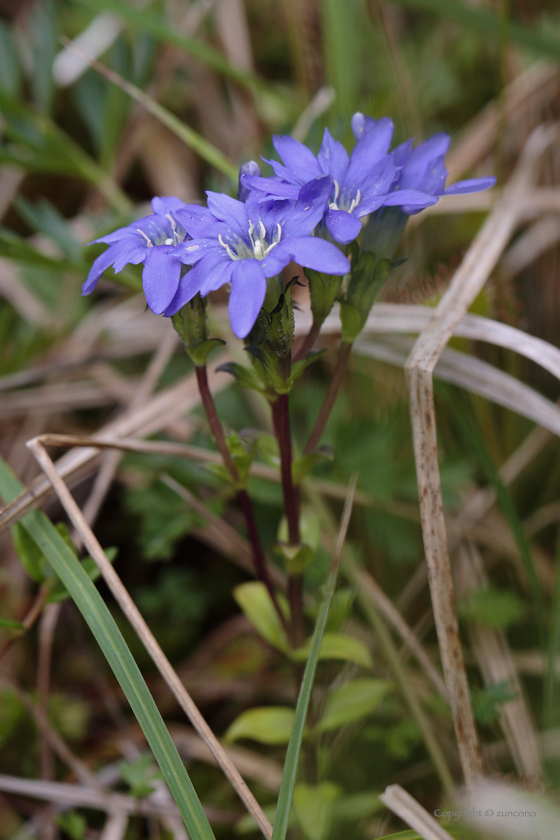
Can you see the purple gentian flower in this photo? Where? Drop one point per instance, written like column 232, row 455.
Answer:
column 422, row 168
column 153, row 241
column 243, row 243
column 361, row 182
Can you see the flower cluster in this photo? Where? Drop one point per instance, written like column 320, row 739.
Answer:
column 190, row 249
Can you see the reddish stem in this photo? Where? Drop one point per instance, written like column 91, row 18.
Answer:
column 307, row 344
column 336, row 381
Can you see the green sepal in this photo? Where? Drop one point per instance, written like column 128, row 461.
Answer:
column 299, row 367
column 191, row 324
column 323, row 291
column 305, row 464
column 367, row 278
column 266, row 367
column 246, row 377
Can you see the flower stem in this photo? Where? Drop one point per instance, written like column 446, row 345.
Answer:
column 281, row 418
column 308, row 342
column 336, row 381
column 241, row 494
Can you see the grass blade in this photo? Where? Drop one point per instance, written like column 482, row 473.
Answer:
column 294, row 746
column 101, row 623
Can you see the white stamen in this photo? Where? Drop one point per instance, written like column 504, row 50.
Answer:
column 230, row 253
column 336, row 190
column 146, row 237
column 168, row 242
column 175, row 239
column 279, row 234
column 355, row 201
column 262, row 230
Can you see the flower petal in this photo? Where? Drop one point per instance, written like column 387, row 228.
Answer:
column 333, row 157
column 216, row 268
column 166, row 204
column 297, row 157
column 228, row 210
column 301, row 219
column 271, row 187
column 100, row 265
column 312, row 252
column 198, row 221
column 249, row 168
column 189, row 286
column 369, row 150
column 362, row 124
column 160, row 278
column 248, row 290
column 344, row 227
column 416, row 197
column 470, row 185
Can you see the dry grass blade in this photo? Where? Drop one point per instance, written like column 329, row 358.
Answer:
column 159, row 413
column 465, row 285
column 411, row 812
column 497, row 665
column 132, row 613
column 478, row 377
column 78, row 796
column 115, row 827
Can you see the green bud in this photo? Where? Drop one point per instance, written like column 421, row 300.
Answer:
column 191, row 324
column 323, row 291
column 367, row 278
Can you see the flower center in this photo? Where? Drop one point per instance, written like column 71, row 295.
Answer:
column 260, row 247
column 334, row 204
column 161, row 236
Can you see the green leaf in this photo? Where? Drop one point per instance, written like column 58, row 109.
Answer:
column 267, row 724
column 246, row 377
column 256, row 603
column 492, row 607
column 338, row 646
column 103, row 626
column 351, row 702
column 10, row 624
column 72, row 824
column 138, row 775
column 313, row 807
column 30, row 555
column 302, row 466
column 356, row 807
column 487, row 701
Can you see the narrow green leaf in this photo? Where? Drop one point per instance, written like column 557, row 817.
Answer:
column 267, row 724
column 338, row 646
column 103, row 626
column 351, row 702
column 10, row 624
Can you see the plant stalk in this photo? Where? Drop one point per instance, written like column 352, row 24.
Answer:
column 308, row 342
column 281, row 419
column 241, row 494
column 336, row 381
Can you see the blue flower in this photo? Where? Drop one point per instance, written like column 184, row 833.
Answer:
column 244, row 243
column 361, row 182
column 422, row 168
column 153, row 241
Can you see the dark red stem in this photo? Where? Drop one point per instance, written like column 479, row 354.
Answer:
column 307, row 344
column 336, row 381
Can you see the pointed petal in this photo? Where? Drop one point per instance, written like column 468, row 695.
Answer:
column 198, row 221
column 312, row 252
column 160, row 278
column 416, row 197
column 271, row 187
column 333, row 157
column 369, row 150
column 228, row 210
column 302, row 219
column 362, row 124
column 470, row 185
column 344, row 227
column 189, row 286
column 249, row 168
column 166, row 204
column 216, row 269
column 248, row 289
column 297, row 157
column 102, row 263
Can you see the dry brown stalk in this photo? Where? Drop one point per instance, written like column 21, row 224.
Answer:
column 412, row 813
column 121, row 595
column 491, row 651
column 115, row 827
column 473, row 272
